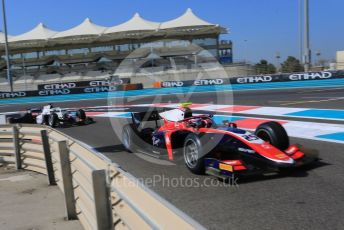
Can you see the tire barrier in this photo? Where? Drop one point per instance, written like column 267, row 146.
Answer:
column 96, row 191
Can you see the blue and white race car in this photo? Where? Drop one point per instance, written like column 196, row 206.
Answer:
column 53, row 116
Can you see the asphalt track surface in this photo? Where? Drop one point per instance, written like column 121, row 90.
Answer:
column 305, row 199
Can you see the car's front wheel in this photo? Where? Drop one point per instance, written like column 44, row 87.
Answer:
column 274, row 133
column 88, row 120
column 193, row 154
column 128, row 136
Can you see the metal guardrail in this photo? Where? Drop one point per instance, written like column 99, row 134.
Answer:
column 97, row 191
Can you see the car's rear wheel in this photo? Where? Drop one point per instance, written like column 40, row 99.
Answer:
column 274, row 133
column 81, row 114
column 88, row 120
column 11, row 120
column 193, row 154
column 53, row 119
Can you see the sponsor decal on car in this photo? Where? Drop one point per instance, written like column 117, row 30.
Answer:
column 226, row 167
column 246, row 150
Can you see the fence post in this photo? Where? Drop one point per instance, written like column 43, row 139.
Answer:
column 16, row 143
column 67, row 180
column 102, row 200
column 47, row 157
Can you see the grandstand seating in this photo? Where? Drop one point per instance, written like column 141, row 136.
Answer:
column 71, row 77
column 48, row 78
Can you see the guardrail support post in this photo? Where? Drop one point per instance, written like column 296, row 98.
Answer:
column 101, row 193
column 47, row 157
column 16, row 143
column 67, row 180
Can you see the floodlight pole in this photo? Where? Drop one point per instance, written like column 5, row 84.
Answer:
column 300, row 30
column 9, row 76
column 307, row 51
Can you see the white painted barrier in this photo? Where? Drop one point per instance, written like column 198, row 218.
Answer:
column 97, row 191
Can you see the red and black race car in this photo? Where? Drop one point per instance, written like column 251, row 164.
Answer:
column 206, row 147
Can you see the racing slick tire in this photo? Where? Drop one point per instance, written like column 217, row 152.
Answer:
column 53, row 119
column 88, row 120
column 45, row 120
column 81, row 114
column 128, row 138
column 274, row 133
column 11, row 120
column 193, row 154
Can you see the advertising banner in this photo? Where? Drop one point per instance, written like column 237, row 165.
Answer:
column 83, row 84
column 257, row 79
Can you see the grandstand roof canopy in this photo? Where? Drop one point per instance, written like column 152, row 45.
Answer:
column 136, row 23
column 40, row 32
column 87, row 27
column 186, row 20
column 2, row 37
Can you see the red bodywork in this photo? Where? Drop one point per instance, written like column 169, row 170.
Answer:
column 265, row 149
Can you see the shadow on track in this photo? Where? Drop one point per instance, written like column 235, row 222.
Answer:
column 111, row 148
column 299, row 172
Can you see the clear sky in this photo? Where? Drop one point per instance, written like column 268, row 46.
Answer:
column 258, row 29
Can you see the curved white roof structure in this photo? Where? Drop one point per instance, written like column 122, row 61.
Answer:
column 88, row 30
column 136, row 23
column 87, row 27
column 40, row 32
column 2, row 37
column 186, row 20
